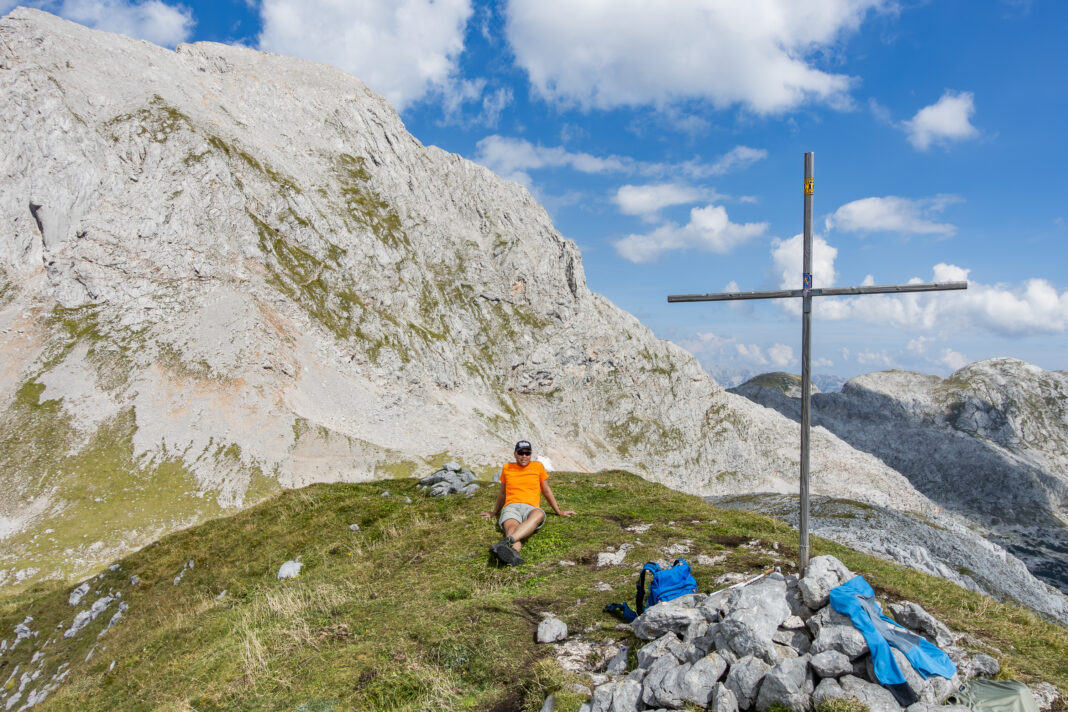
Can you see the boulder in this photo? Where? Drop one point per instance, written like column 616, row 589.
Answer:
column 755, row 612
column 845, row 639
column 876, row 697
column 697, row 683
column 626, row 697
column 826, row 616
column 915, row 618
column 651, row 652
column 831, row 663
column 744, row 680
column 785, row 686
column 822, row 574
column 663, row 618
column 798, row 640
column 660, row 686
column 978, row 665
column 551, row 630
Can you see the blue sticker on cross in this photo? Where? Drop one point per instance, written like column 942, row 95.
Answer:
column 806, row 282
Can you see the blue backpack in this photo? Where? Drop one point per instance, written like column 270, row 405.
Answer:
column 667, row 584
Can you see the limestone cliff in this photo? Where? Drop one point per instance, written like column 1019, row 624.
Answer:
column 225, row 271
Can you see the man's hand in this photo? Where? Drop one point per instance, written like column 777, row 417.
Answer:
column 486, row 514
column 567, row 513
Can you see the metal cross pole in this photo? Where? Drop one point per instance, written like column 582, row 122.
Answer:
column 806, row 293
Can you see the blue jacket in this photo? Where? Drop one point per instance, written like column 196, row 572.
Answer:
column 856, row 599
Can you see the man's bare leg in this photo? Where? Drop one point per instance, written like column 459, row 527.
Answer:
column 519, row 531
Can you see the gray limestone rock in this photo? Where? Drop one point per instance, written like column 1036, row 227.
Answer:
column 978, row 665
column 845, row 639
column 723, row 700
column 755, row 613
column 551, row 629
column 290, row 569
column 744, row 680
column 660, row 686
column 617, row 665
column 831, row 663
column 799, row 640
column 822, row 574
column 663, row 618
column 826, row 616
column 77, row 594
column 698, row 682
column 627, row 696
column 915, row 618
column 87, row 616
column 876, row 697
column 651, row 652
column 1045, row 695
column 828, row 689
column 785, row 685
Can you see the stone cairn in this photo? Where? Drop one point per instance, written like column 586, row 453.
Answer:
column 450, row 479
column 775, row 642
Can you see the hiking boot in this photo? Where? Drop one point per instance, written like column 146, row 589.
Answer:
column 505, row 553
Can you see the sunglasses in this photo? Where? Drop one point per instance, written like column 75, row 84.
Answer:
column 523, row 452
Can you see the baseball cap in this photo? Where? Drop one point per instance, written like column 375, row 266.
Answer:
column 523, row 446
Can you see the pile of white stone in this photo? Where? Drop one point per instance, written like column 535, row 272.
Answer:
column 450, row 479
column 773, row 642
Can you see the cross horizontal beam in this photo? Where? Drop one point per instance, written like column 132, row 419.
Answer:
column 825, row 292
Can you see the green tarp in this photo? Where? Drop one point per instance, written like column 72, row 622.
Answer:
column 994, row 696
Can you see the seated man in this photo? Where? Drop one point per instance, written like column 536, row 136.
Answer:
column 519, row 503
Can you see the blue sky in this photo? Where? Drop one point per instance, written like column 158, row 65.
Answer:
column 666, row 140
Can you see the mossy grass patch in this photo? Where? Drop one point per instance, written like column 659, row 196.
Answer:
column 411, row 611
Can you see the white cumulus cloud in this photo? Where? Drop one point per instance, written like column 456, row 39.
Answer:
column 402, row 49
column 647, row 199
column 751, row 353
column 948, row 119
column 709, row 230
column 159, row 22
column 787, row 256
column 954, row 360
column 1032, row 307
column 781, row 355
column 514, row 158
column 893, row 214
column 756, row 54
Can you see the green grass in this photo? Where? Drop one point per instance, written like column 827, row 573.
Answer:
column 411, row 612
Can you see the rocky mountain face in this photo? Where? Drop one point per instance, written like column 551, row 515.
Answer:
column 989, row 443
column 225, row 272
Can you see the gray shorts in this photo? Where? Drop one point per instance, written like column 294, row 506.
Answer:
column 519, row 512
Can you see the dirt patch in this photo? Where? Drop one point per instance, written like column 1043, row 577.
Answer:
column 731, row 541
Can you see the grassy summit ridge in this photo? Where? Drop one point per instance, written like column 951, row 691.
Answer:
column 410, row 612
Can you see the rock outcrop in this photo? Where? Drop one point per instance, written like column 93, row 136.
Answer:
column 990, row 442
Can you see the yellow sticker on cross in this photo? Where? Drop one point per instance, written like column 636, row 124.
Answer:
column 808, row 186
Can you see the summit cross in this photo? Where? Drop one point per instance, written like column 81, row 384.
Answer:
column 807, row 292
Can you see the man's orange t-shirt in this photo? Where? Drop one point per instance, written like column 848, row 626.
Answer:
column 523, row 484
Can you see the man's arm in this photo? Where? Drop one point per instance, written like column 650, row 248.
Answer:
column 547, row 491
column 500, row 502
